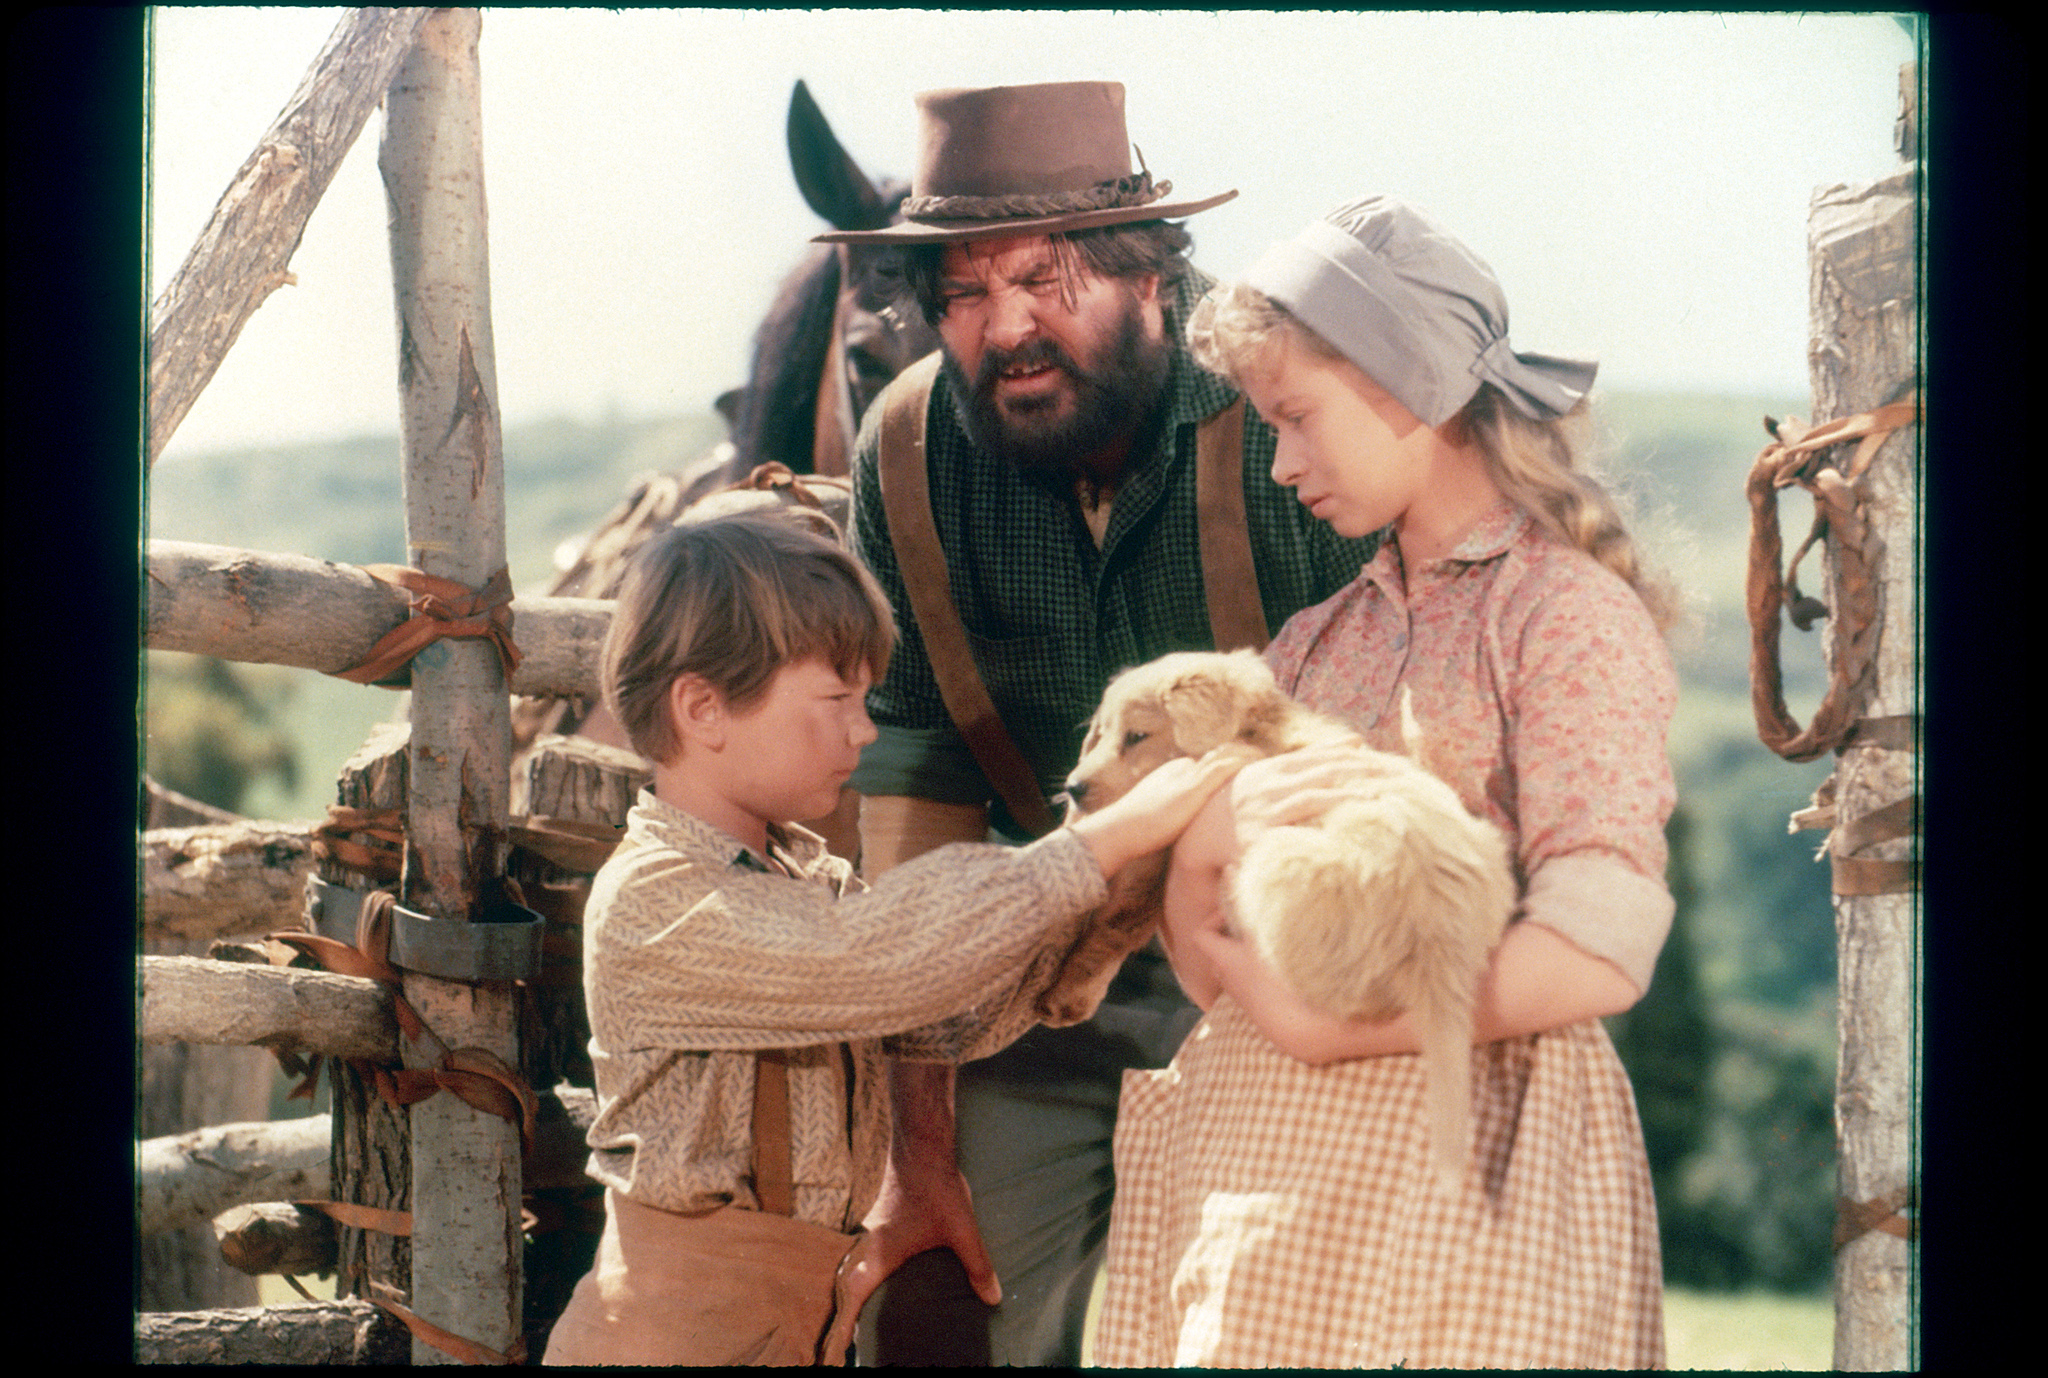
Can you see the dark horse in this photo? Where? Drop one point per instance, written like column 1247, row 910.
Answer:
column 831, row 341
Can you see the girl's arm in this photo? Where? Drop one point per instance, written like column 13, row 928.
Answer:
column 1537, row 980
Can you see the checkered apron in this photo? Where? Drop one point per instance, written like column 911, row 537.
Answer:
column 1273, row 1214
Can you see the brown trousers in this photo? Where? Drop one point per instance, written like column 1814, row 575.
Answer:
column 731, row 1286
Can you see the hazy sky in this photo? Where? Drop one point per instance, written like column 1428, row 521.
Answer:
column 1639, row 182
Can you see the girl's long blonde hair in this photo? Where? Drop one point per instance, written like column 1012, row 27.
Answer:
column 1542, row 467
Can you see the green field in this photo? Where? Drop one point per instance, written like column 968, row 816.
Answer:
column 1748, row 1330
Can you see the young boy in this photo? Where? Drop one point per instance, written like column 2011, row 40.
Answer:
column 745, row 989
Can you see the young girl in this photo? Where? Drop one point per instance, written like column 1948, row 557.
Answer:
column 1275, row 1199
column 744, row 990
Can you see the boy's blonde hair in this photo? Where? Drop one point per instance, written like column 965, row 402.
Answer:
column 1542, row 467
column 733, row 600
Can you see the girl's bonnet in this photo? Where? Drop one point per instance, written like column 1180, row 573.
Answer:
column 1415, row 309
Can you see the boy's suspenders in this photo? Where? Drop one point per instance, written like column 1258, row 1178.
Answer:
column 774, row 1176
column 1230, row 584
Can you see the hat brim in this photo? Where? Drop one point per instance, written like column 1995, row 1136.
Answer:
column 952, row 231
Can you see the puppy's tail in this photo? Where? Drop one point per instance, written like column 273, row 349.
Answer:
column 1393, row 903
column 1447, row 1084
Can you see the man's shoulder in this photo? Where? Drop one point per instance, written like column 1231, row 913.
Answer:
column 925, row 378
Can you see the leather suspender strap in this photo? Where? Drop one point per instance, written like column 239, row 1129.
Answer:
column 1237, row 617
column 773, row 1174
column 907, row 502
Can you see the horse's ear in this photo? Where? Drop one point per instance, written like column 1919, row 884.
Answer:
column 832, row 183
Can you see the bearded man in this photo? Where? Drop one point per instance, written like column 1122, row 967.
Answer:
column 1082, row 497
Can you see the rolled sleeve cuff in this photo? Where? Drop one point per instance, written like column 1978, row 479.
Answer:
column 923, row 762
column 1604, row 907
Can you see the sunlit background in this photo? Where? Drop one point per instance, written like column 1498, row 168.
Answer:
column 1639, row 182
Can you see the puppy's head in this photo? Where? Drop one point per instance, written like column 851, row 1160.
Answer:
column 1182, row 704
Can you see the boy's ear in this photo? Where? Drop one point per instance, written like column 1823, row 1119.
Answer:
column 696, row 712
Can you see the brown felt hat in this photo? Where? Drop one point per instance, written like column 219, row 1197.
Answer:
column 1019, row 160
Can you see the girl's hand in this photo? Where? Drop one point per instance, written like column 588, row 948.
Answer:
column 1290, row 1023
column 1158, row 807
column 1300, row 785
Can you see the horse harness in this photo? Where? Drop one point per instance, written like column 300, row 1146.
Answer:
column 1229, row 581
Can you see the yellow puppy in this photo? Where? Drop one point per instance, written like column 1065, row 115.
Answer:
column 1390, row 901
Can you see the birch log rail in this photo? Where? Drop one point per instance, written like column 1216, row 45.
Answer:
column 313, row 1332
column 466, row 1240
column 1865, row 312
column 196, row 1000
column 225, row 880
column 269, row 608
column 187, row 1178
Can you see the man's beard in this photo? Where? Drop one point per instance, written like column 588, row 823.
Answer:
column 1052, row 446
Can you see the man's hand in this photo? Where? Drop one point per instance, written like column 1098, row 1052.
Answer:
column 924, row 1201
column 917, row 1211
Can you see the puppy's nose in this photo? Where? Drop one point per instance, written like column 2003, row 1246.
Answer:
column 1077, row 792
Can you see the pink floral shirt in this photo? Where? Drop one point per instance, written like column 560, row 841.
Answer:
column 1543, row 693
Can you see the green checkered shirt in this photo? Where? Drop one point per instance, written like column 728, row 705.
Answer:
column 1049, row 616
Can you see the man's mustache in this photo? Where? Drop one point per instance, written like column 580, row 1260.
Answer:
column 1037, row 353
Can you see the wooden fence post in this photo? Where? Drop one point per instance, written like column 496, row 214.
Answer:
column 1866, row 344
column 466, row 1183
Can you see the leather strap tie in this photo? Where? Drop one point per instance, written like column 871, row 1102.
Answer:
column 1796, row 454
column 427, row 1333
column 777, row 477
column 478, row 1076
column 1859, row 875
column 1854, row 1219
column 440, row 608
column 561, row 842
column 398, row 1223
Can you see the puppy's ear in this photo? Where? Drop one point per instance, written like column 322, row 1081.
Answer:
column 1205, row 709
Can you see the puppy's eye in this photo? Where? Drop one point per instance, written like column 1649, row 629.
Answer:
column 1131, row 739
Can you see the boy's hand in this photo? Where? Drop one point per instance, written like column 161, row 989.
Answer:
column 1158, row 807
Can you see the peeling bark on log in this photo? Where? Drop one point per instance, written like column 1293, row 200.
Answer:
column 581, row 780
column 314, row 1332
column 1866, row 329
column 575, row 780
column 242, row 254
column 264, row 607
column 225, row 880
column 187, row 1179
column 194, row 1000
column 372, row 1147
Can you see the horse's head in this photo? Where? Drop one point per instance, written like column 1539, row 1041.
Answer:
column 873, row 337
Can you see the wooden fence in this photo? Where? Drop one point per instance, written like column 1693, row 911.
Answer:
column 446, row 1196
